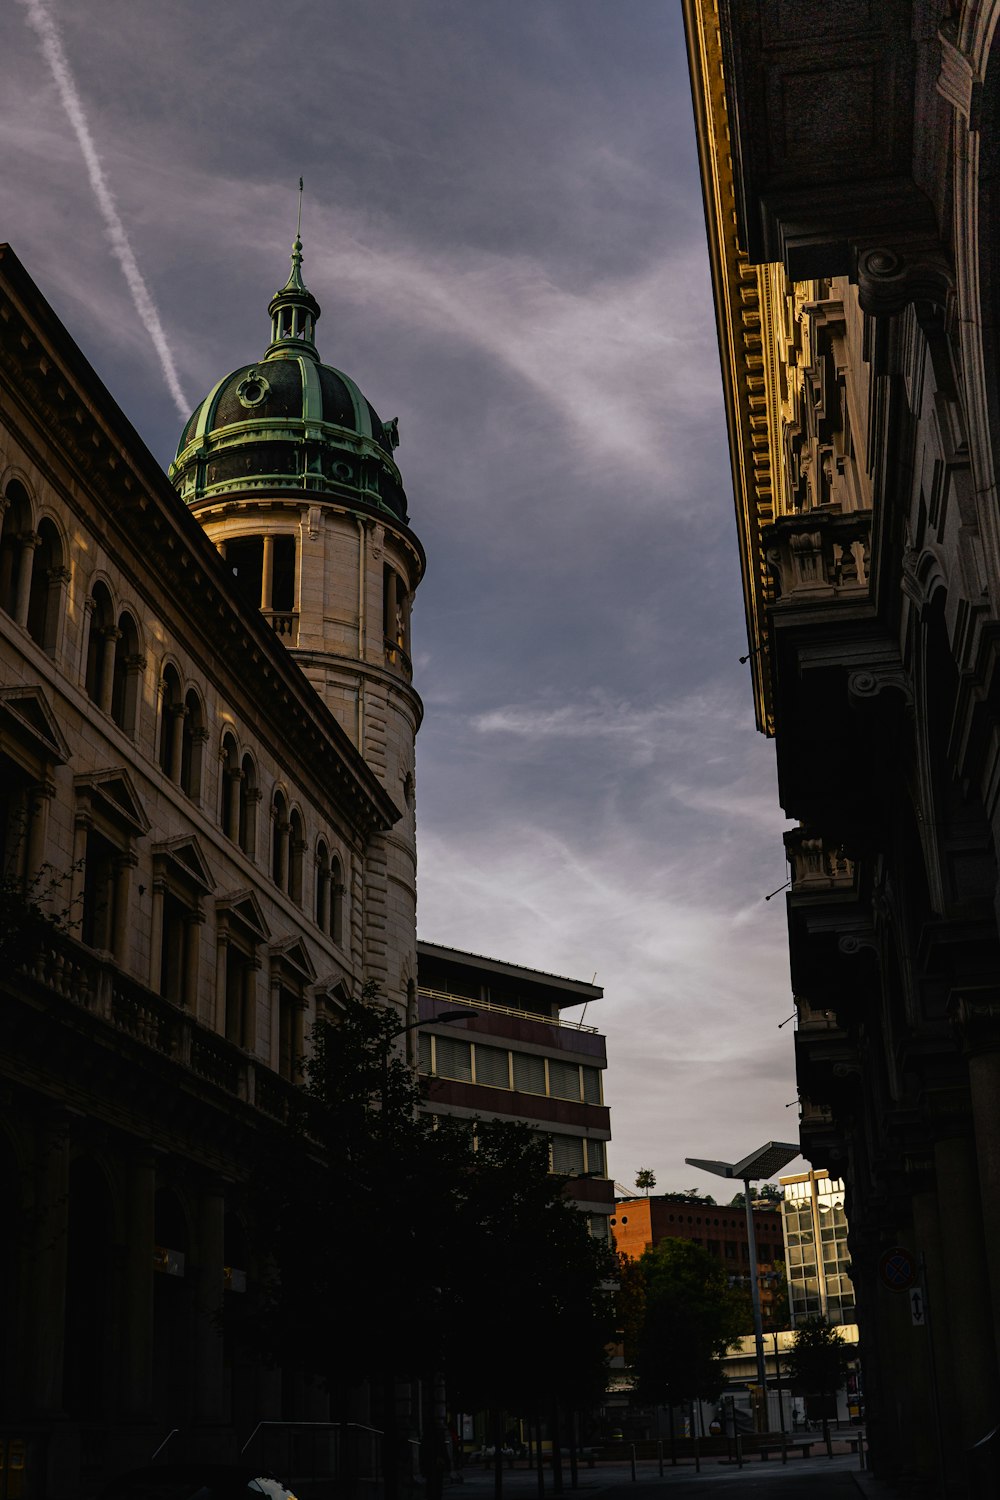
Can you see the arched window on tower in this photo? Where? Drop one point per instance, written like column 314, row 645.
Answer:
column 101, row 642
column 396, row 621
column 45, row 596
column 264, row 570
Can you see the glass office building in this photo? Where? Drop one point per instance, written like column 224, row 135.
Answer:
column 818, row 1264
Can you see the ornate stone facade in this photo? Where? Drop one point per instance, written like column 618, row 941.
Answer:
column 227, row 850
column 849, row 164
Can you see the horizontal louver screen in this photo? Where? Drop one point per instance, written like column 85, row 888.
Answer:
column 567, row 1153
column 425, row 1052
column 591, row 1085
column 596, row 1160
column 529, row 1073
column 564, row 1080
column 491, row 1067
column 454, row 1059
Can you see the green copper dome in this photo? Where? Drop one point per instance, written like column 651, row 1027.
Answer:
column 288, row 423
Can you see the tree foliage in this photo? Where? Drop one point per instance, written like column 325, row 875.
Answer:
column 681, row 1316
column 395, row 1248
column 819, row 1359
column 645, row 1180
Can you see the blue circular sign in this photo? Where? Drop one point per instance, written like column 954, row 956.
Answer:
column 898, row 1269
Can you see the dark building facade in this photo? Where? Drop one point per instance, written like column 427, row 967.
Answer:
column 849, row 158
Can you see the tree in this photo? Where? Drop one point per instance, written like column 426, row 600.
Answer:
column 818, row 1362
column 683, row 1319
column 645, row 1180
column 399, row 1247
column 768, row 1193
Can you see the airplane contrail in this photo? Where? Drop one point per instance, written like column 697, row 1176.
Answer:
column 42, row 22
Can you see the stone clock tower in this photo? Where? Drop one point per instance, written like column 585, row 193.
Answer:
column 291, row 472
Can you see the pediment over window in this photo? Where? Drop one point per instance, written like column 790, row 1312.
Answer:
column 113, row 793
column 244, row 910
column 184, row 859
column 25, row 716
column 292, row 954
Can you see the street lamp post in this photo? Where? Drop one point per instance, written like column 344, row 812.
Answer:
column 766, row 1162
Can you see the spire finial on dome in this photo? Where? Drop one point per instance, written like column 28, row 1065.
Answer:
column 294, row 310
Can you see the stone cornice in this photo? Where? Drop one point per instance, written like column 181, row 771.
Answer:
column 63, row 399
column 745, row 312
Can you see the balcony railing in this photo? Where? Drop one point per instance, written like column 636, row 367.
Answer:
column 397, row 658
column 817, row 866
column 66, row 969
column 283, row 622
column 820, row 554
column 503, row 1010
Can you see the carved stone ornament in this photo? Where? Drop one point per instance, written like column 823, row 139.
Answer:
column 867, row 686
column 889, row 279
column 378, row 540
column 975, row 1014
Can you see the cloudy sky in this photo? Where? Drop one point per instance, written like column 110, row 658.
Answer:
column 504, row 228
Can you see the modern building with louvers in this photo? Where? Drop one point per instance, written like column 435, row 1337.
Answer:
column 517, row 1058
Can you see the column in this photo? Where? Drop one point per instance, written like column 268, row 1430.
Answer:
column 217, row 1019
column 121, row 933
column 156, row 933
column 281, row 863
column 234, row 779
column 38, row 821
column 109, row 643
column 48, row 1261
column 274, row 1019
column 267, row 573
column 192, row 958
column 137, row 1386
column 209, row 1353
column 81, row 830
column 178, row 713
column 25, row 559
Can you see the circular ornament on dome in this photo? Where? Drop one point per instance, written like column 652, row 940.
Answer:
column 343, row 471
column 252, row 389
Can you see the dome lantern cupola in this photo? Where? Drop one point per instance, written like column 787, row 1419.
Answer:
column 294, row 313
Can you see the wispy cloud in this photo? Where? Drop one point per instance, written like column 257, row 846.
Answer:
column 42, row 23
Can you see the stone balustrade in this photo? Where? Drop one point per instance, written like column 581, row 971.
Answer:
column 817, row 865
column 819, row 555
column 66, row 970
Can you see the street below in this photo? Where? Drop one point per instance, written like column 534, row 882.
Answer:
column 816, row 1478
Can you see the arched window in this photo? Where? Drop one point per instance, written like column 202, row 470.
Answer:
column 125, row 674
column 171, row 747
column 16, row 542
column 192, row 743
column 296, row 849
column 336, row 927
column 279, row 840
column 232, row 789
column 322, row 887
column 45, row 594
column 101, row 642
column 249, row 798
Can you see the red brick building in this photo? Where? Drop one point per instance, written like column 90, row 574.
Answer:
column 720, row 1228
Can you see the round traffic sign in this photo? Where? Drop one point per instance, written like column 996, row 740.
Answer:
column 897, row 1269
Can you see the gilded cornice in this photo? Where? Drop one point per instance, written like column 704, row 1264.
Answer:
column 749, row 316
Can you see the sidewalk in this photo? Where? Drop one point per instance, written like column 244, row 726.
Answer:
column 520, row 1483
